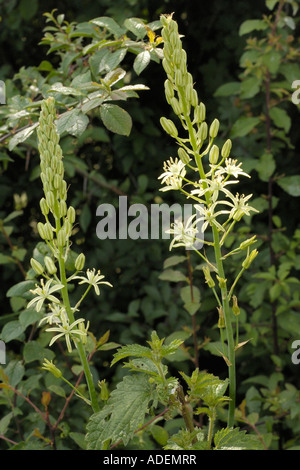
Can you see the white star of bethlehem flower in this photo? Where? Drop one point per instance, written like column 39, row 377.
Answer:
column 209, row 215
column 173, row 174
column 231, row 168
column 53, row 317
column 44, row 293
column 184, row 233
column 213, row 186
column 94, row 279
column 240, row 206
column 68, row 331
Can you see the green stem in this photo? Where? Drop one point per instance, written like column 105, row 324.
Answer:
column 212, row 419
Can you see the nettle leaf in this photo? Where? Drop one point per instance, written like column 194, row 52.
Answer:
column 135, row 350
column 124, row 413
column 234, row 439
column 116, row 119
column 141, row 61
column 290, row 184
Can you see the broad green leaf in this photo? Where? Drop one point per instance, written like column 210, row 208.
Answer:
column 281, row 118
column 159, row 434
column 64, row 90
column 110, row 24
column 249, row 88
column 228, row 89
column 73, row 122
column 85, row 217
column 34, row 351
column 271, row 4
column 79, row 438
column 244, row 126
column 272, row 60
column 116, row 119
column 266, row 166
column 252, row 25
column 21, row 289
column 234, row 439
column 12, row 330
column 4, row 423
column 15, row 372
column 290, row 184
column 141, row 61
column 123, row 414
column 21, row 136
column 173, row 261
column 4, row 259
column 136, row 26
column 172, row 276
column 191, row 298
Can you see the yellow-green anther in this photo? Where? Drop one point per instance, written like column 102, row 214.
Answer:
column 71, row 214
column 221, row 321
column 169, row 126
column 183, row 155
column 202, row 132
column 235, row 306
column 214, row 155
column 208, row 279
column 214, row 128
column 50, row 265
column 225, row 152
column 245, row 244
column 36, row 266
column 250, row 257
column 41, row 230
column 80, row 262
column 44, row 206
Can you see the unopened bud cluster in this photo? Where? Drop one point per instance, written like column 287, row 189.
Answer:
column 54, row 185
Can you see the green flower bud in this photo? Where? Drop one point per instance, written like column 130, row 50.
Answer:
column 194, row 99
column 214, row 155
column 200, row 113
column 183, row 155
column 57, row 181
column 67, row 228
column 226, row 148
column 50, row 266
column 202, row 132
column 245, row 244
column 188, row 93
column 49, row 366
column 36, row 266
column 222, row 282
column 179, row 78
column 61, row 238
column 62, row 208
column 169, row 90
column 71, row 214
column 41, row 230
column 80, row 262
column 167, row 66
column 48, row 231
column 169, row 126
column 44, row 206
column 104, row 393
column 176, row 106
column 214, row 128
column 50, row 199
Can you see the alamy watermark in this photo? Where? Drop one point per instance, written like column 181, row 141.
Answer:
column 2, row 352
column 157, row 221
column 2, row 92
column 296, row 94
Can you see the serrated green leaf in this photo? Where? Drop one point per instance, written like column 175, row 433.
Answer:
column 234, row 439
column 134, row 350
column 116, row 119
column 123, row 414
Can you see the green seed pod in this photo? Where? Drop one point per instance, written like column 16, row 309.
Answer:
column 221, row 322
column 104, row 393
column 214, row 128
column 225, row 152
column 250, row 257
column 208, row 279
column 183, row 155
column 71, row 214
column 36, row 266
column 169, row 126
column 80, row 262
column 214, row 155
column 245, row 244
column 50, row 265
column 235, row 307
